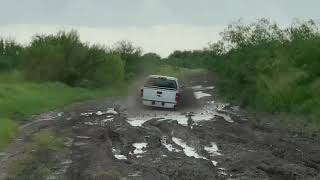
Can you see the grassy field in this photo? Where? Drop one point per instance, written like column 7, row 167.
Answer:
column 24, row 99
column 20, row 99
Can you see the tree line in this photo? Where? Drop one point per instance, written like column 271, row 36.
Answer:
column 62, row 57
column 264, row 66
column 260, row 65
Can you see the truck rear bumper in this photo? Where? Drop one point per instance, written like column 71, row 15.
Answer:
column 158, row 104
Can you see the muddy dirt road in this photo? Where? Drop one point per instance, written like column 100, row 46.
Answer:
column 203, row 140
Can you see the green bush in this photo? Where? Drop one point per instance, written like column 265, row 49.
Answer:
column 110, row 72
column 131, row 55
column 9, row 55
column 272, row 69
column 64, row 58
column 263, row 66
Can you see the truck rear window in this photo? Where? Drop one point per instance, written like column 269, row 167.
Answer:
column 161, row 83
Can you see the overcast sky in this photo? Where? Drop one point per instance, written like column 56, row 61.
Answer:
column 160, row 26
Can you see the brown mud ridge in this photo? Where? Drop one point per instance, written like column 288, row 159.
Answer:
column 203, row 140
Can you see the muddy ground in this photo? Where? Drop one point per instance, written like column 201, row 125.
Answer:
column 204, row 139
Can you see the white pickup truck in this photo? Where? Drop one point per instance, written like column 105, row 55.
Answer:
column 161, row 91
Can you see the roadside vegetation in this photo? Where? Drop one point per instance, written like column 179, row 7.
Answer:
column 264, row 67
column 57, row 69
column 19, row 99
column 259, row 66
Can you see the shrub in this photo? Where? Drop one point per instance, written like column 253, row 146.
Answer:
column 9, row 55
column 272, row 69
column 109, row 72
column 263, row 66
column 64, row 58
column 131, row 55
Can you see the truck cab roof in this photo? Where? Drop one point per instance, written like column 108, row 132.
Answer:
column 164, row 77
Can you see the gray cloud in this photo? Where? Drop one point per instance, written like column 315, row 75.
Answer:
column 152, row 12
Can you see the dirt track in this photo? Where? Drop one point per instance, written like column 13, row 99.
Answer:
column 118, row 139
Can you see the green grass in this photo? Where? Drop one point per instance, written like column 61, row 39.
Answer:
column 20, row 99
column 25, row 98
column 7, row 131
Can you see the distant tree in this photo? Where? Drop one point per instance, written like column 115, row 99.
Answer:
column 10, row 52
column 126, row 49
column 217, row 48
column 151, row 55
column 63, row 57
column 130, row 54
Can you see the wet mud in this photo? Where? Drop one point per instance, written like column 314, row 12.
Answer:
column 203, row 139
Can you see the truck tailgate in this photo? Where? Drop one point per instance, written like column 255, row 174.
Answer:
column 157, row 94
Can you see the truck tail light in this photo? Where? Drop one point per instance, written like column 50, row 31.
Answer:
column 141, row 93
column 177, row 98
